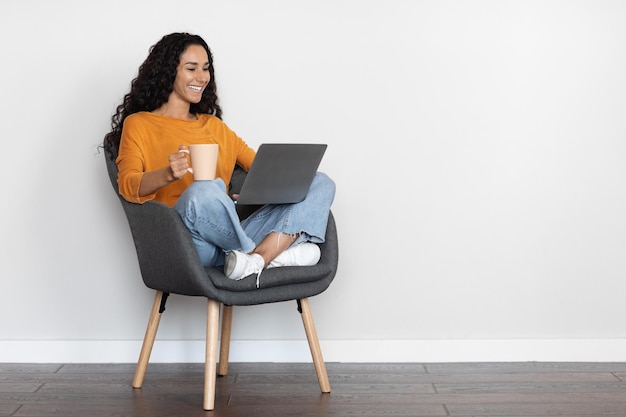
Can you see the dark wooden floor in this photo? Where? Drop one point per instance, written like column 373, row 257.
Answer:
column 280, row 390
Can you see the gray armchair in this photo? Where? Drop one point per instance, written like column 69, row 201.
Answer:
column 170, row 264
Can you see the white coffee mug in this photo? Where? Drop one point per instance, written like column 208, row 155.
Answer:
column 203, row 159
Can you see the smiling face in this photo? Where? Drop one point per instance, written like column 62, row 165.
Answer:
column 192, row 75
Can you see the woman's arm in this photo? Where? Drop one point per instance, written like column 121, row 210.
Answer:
column 153, row 180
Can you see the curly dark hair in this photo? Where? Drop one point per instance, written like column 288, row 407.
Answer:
column 154, row 83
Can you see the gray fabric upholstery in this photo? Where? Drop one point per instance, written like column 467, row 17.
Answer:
column 169, row 262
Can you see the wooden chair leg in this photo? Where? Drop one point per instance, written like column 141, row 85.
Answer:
column 148, row 341
column 227, row 324
column 314, row 345
column 210, row 365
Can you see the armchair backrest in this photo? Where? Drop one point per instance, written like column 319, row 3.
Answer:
column 164, row 246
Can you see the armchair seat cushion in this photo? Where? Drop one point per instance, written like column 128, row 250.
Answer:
column 274, row 277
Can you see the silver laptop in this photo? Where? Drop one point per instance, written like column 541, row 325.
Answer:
column 281, row 173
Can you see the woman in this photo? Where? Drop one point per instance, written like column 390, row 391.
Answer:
column 173, row 103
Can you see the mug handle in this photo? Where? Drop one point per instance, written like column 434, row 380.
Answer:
column 190, row 169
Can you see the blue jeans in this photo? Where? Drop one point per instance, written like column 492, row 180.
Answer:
column 211, row 217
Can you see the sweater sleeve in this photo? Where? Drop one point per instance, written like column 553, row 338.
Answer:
column 245, row 154
column 233, row 149
column 130, row 162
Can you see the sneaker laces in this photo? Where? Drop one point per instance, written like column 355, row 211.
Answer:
column 258, row 278
column 260, row 265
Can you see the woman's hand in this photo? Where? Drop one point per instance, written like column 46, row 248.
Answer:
column 179, row 163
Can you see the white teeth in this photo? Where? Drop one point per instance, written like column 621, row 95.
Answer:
column 195, row 88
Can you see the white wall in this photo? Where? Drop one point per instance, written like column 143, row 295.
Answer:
column 478, row 148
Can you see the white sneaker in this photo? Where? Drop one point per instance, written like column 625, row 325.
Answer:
column 304, row 254
column 239, row 265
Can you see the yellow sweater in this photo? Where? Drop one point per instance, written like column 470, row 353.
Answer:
column 148, row 140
